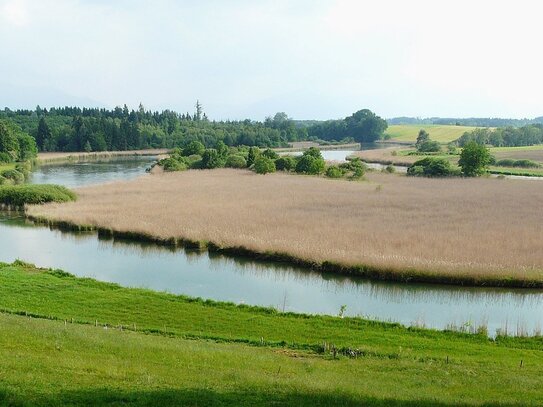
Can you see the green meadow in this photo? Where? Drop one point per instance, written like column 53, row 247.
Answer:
column 67, row 340
column 441, row 133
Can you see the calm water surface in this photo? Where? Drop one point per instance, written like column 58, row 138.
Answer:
column 92, row 172
column 245, row 281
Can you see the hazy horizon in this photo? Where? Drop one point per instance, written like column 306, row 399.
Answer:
column 314, row 60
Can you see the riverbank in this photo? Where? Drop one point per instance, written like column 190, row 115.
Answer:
column 67, row 157
column 389, row 227
column 137, row 346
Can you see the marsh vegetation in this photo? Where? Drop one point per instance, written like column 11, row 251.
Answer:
column 392, row 224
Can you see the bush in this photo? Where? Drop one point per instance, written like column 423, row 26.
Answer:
column 172, row 164
column 313, row 152
column 264, row 165
column 429, row 146
column 269, row 153
column 309, row 164
column 194, row 147
column 252, row 156
column 355, row 166
column 507, row 162
column 19, row 195
column 286, row 163
column 15, row 176
column 334, row 172
column 4, row 181
column 431, row 167
column 236, row 161
column 5, row 158
column 390, row 169
column 415, row 171
column 212, row 159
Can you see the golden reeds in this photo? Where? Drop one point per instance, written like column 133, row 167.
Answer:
column 481, row 227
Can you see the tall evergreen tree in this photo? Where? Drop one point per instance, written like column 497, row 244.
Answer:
column 43, row 134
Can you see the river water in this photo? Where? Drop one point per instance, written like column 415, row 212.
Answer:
column 240, row 280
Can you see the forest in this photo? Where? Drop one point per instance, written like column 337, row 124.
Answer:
column 94, row 129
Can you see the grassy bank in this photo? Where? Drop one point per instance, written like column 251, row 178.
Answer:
column 389, row 227
column 28, row 194
column 174, row 349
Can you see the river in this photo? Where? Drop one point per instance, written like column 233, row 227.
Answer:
column 240, row 280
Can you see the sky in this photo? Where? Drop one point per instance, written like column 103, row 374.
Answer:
column 313, row 59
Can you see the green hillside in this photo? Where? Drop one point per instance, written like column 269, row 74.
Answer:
column 441, row 133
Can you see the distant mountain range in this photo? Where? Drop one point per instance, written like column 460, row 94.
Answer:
column 471, row 121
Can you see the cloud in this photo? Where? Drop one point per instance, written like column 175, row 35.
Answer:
column 14, row 12
column 314, row 59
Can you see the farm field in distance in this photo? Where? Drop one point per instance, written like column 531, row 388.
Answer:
column 393, row 225
column 61, row 342
column 441, row 133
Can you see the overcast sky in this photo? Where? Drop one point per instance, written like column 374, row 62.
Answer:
column 314, row 59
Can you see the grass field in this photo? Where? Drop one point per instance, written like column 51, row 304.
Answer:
column 534, row 153
column 441, row 133
column 55, row 349
column 405, row 228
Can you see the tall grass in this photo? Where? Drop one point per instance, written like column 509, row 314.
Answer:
column 486, row 230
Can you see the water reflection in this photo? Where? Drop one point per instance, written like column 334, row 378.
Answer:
column 243, row 280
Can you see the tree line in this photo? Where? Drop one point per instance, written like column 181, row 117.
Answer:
column 94, row 129
column 472, row 121
column 505, row 137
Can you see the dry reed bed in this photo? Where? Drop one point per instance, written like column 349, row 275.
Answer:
column 477, row 231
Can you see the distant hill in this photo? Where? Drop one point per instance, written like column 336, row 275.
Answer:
column 471, row 122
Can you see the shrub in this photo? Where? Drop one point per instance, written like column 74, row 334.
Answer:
column 212, row 159
column 355, row 166
column 429, row 146
column 390, row 169
column 194, row 147
column 506, row 162
column 313, row 152
column 236, row 161
column 252, row 156
column 3, row 180
column 415, row 171
column 334, row 172
column 309, row 164
column 269, row 153
column 14, row 175
column 19, row 195
column 264, row 165
column 431, row 167
column 172, row 164
column 286, row 163
column 5, row 158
